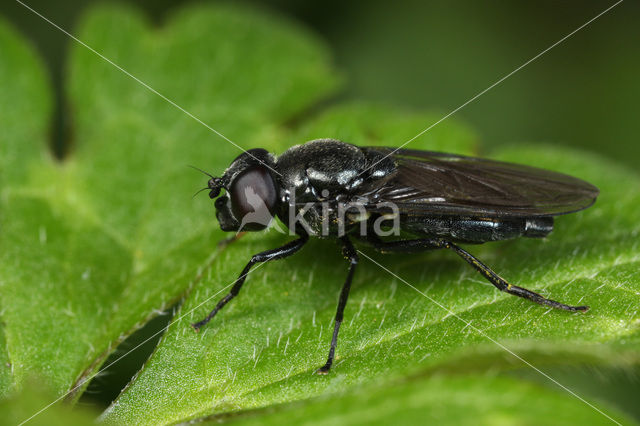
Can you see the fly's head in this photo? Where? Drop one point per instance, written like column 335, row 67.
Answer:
column 251, row 194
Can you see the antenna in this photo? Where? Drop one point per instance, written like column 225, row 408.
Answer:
column 201, row 171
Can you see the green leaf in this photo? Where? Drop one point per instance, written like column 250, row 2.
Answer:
column 24, row 108
column 31, row 399
column 265, row 346
column 95, row 245
column 459, row 400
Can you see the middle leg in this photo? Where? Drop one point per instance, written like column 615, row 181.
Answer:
column 350, row 253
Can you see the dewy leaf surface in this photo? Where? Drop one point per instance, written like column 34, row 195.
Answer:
column 264, row 347
column 94, row 245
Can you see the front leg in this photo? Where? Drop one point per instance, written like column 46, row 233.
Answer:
column 500, row 283
column 278, row 253
column 350, row 253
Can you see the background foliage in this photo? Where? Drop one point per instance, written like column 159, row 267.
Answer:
column 97, row 244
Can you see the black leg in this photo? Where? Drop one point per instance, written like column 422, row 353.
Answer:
column 503, row 285
column 279, row 253
column 492, row 277
column 350, row 253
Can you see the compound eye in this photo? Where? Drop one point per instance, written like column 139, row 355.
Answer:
column 254, row 191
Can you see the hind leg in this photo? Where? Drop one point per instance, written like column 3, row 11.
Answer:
column 500, row 283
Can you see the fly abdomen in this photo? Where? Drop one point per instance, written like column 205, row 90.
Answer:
column 479, row 230
column 538, row 227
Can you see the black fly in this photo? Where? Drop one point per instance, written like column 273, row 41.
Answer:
column 331, row 189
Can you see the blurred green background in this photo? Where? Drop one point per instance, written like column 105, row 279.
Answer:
column 438, row 55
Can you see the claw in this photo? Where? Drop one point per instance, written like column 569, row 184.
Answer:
column 323, row 371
